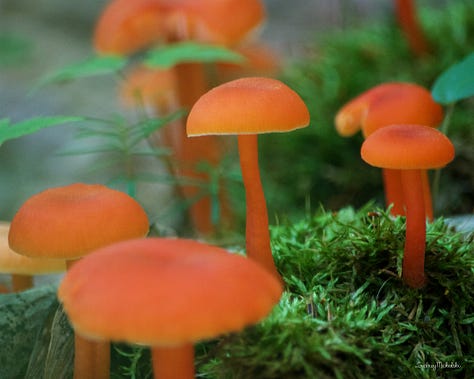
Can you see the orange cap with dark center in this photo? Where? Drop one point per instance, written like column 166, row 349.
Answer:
column 68, row 222
column 407, row 147
column 160, row 291
column 248, row 106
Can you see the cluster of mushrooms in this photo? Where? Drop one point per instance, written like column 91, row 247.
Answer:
column 167, row 293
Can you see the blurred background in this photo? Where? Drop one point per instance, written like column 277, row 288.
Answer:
column 38, row 37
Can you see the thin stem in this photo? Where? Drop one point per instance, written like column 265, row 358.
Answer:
column 257, row 232
column 91, row 358
column 414, row 251
column 393, row 191
column 173, row 362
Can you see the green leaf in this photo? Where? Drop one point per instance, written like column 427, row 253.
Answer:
column 10, row 131
column 170, row 55
column 99, row 65
column 456, row 83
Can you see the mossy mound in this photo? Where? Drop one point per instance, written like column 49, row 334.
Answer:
column 346, row 312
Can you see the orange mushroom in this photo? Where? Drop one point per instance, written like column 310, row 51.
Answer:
column 410, row 149
column 386, row 104
column 125, row 26
column 23, row 269
column 168, row 294
column 247, row 107
column 69, row 222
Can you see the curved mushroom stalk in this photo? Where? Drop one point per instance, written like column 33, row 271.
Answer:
column 256, row 231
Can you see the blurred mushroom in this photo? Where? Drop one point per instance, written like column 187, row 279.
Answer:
column 410, row 149
column 22, row 269
column 168, row 294
column 247, row 107
column 406, row 14
column 67, row 223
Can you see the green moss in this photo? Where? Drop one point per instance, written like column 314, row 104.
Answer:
column 346, row 313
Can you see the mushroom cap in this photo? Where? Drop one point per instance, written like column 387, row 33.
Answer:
column 213, row 21
column 386, row 104
column 404, row 103
column 126, row 26
column 149, row 86
column 407, row 147
column 13, row 263
column 247, row 106
column 68, row 222
column 163, row 291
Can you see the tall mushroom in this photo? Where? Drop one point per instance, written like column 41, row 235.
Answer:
column 168, row 294
column 247, row 107
column 410, row 149
column 386, row 104
column 69, row 222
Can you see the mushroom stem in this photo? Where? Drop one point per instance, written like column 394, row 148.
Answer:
column 21, row 282
column 408, row 21
column 257, row 234
column 414, row 251
column 91, row 358
column 393, row 191
column 173, row 362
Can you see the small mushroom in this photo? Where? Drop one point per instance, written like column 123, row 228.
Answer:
column 69, row 222
column 410, row 149
column 23, row 269
column 167, row 294
column 247, row 107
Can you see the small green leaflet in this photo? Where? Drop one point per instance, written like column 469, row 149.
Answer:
column 97, row 65
column 456, row 83
column 169, row 55
column 10, row 131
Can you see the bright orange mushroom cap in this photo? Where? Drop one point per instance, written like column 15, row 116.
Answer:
column 70, row 221
column 248, row 106
column 160, row 291
column 407, row 147
column 126, row 26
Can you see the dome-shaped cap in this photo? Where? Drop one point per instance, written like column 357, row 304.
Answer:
column 68, row 222
column 160, row 291
column 248, row 106
column 13, row 263
column 407, row 147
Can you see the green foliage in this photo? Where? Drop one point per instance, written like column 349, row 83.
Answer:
column 346, row 313
column 10, row 131
column 187, row 52
column 13, row 49
column 97, row 65
column 456, row 83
